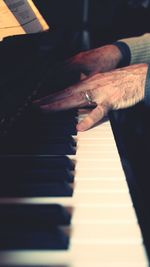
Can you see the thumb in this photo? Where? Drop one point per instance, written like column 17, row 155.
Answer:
column 92, row 118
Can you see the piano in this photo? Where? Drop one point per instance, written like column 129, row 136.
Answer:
column 67, row 210
column 68, row 199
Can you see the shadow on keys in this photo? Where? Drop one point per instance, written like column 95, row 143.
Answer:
column 31, row 166
column 33, row 146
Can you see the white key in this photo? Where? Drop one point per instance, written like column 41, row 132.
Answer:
column 88, row 199
column 120, row 255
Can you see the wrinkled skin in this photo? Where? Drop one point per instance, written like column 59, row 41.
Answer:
column 109, row 88
column 100, row 59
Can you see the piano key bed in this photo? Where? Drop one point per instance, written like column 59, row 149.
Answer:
column 68, row 204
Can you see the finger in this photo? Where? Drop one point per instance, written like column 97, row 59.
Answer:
column 75, row 100
column 76, row 64
column 94, row 116
column 43, row 100
column 65, row 65
column 62, row 95
column 52, row 97
column 71, row 65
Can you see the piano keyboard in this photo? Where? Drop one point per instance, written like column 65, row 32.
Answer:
column 104, row 231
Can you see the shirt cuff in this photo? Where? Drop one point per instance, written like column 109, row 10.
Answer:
column 147, row 88
column 126, row 54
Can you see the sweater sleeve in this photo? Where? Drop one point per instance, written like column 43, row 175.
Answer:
column 139, row 48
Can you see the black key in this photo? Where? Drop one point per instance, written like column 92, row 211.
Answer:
column 52, row 122
column 29, row 162
column 52, row 239
column 32, row 216
column 55, row 140
column 37, row 115
column 38, row 148
column 34, row 176
column 33, row 226
column 59, row 130
column 40, row 139
column 53, row 189
column 51, row 125
column 53, row 149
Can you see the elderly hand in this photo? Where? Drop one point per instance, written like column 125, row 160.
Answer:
column 100, row 59
column 117, row 89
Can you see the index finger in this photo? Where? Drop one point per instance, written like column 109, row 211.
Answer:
column 64, row 94
column 66, row 102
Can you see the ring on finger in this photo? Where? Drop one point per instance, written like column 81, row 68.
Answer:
column 88, row 98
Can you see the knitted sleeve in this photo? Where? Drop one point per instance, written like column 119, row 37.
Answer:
column 139, row 48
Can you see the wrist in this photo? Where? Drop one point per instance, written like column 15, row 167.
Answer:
column 110, row 57
column 147, row 88
column 125, row 57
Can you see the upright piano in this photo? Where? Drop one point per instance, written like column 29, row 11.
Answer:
column 67, row 199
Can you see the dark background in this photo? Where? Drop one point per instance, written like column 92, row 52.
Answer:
column 108, row 20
